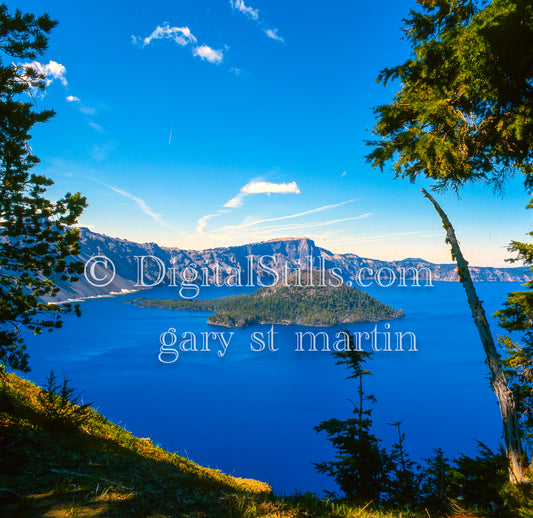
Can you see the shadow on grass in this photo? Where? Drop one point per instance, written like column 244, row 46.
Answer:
column 51, row 469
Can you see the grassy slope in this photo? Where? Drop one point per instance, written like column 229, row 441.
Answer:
column 100, row 469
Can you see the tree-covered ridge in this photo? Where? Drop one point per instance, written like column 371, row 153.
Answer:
column 302, row 305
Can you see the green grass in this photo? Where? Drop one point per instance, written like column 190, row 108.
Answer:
column 101, row 469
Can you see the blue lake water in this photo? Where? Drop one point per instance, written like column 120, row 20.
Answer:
column 251, row 414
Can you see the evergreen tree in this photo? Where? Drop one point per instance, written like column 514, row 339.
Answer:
column 517, row 317
column 37, row 241
column 435, row 482
column 361, row 464
column 463, row 113
column 477, row 481
column 403, row 489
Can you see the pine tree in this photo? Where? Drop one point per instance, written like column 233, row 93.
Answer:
column 403, row 488
column 435, row 482
column 463, row 114
column 517, row 317
column 37, row 242
column 361, row 464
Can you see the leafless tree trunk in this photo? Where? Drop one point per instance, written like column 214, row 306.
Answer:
column 511, row 431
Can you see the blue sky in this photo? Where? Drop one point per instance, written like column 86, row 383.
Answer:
column 202, row 123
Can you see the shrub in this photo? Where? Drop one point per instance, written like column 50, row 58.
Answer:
column 61, row 405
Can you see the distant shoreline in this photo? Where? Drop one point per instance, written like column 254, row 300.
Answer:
column 123, row 291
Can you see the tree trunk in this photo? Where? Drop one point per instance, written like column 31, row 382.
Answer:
column 511, row 431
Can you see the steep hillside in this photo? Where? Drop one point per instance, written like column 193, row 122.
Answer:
column 51, row 466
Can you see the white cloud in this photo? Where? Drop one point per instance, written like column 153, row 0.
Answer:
column 181, row 35
column 273, row 34
column 256, row 187
column 268, row 187
column 209, row 54
column 344, row 174
column 52, row 70
column 72, row 99
column 239, row 5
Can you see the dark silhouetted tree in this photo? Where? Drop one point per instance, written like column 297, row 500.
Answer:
column 37, row 242
column 404, row 482
column 361, row 465
column 435, row 488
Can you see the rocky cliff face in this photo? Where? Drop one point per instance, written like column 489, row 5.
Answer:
column 221, row 264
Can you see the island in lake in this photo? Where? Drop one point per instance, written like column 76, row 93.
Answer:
column 306, row 305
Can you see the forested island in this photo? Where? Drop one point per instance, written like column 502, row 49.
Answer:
column 301, row 305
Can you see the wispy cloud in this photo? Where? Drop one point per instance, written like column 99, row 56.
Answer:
column 87, row 110
column 239, row 233
column 202, row 223
column 273, row 35
column 344, row 174
column 145, row 208
column 299, row 226
column 239, row 5
column 290, row 216
column 253, row 14
column 238, row 72
column 95, row 126
column 100, row 153
column 180, row 35
column 236, row 201
column 388, row 237
column 251, row 230
column 183, row 37
column 261, row 187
